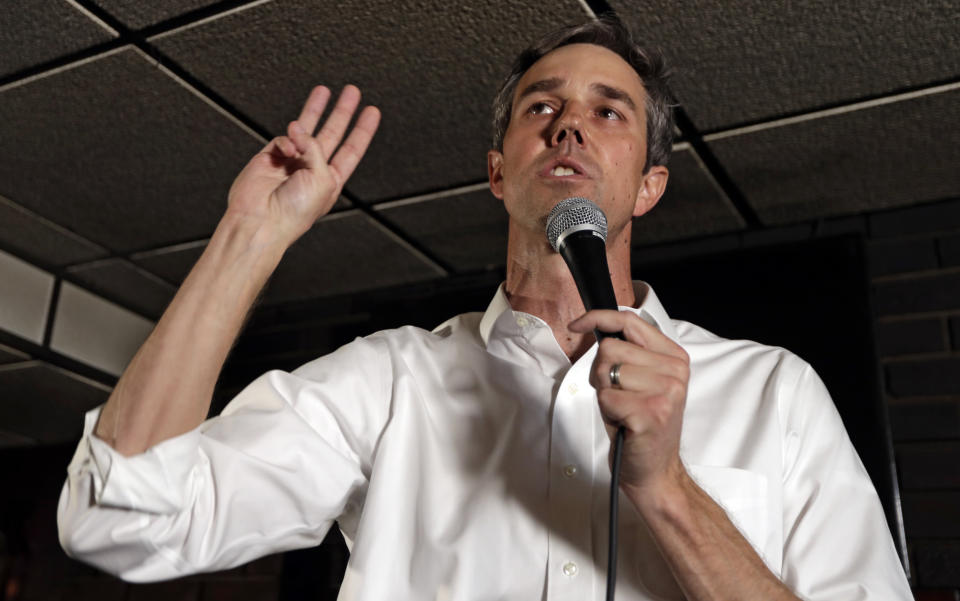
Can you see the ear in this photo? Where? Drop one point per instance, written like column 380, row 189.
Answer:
column 651, row 189
column 495, row 172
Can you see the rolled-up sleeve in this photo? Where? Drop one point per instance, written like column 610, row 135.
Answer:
column 289, row 455
column 837, row 545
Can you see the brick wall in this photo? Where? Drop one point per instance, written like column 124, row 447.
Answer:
column 915, row 273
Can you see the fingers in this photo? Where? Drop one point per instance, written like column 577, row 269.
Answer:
column 279, row 149
column 336, row 125
column 304, row 143
column 640, row 369
column 634, row 330
column 621, row 408
column 615, row 407
column 316, row 151
column 356, row 144
column 313, row 108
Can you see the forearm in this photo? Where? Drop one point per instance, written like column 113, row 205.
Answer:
column 167, row 387
column 709, row 557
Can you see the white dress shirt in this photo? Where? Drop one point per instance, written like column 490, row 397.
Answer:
column 470, row 463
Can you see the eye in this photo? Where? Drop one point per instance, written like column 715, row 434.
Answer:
column 609, row 113
column 540, row 108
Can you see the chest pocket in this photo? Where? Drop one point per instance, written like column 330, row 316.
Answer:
column 743, row 495
column 645, row 574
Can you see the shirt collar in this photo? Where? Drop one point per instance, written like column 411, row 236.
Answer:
column 650, row 310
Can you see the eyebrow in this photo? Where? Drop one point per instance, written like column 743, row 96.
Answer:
column 614, row 94
column 552, row 83
column 544, row 85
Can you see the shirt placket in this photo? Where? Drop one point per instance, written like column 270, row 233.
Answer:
column 571, row 570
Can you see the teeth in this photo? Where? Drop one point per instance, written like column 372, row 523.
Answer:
column 561, row 170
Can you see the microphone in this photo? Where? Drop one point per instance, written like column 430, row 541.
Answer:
column 577, row 229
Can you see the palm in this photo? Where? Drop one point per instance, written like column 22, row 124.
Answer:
column 294, row 180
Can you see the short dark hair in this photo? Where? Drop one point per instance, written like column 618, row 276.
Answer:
column 611, row 34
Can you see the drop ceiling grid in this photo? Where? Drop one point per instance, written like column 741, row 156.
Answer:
column 467, row 230
column 443, row 64
column 27, row 38
column 119, row 153
column 692, row 205
column 171, row 263
column 879, row 157
column 40, row 241
column 137, row 14
column 125, row 283
column 45, row 404
column 787, row 57
column 10, row 355
column 425, row 67
column 344, row 253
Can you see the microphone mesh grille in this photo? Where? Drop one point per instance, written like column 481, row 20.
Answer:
column 574, row 213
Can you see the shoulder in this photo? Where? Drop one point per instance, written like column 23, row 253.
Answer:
column 708, row 348
column 459, row 329
column 753, row 374
column 376, row 351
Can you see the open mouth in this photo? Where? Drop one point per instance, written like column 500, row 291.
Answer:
column 562, row 171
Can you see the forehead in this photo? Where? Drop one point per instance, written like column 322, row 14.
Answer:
column 585, row 64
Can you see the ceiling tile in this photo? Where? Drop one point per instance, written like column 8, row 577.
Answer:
column 95, row 331
column 889, row 155
column 41, row 240
column 44, row 403
column 693, row 205
column 24, row 298
column 125, row 284
column 752, row 59
column 36, row 32
column 171, row 263
column 433, row 72
column 11, row 355
column 467, row 231
column 12, row 439
column 128, row 158
column 137, row 13
column 344, row 253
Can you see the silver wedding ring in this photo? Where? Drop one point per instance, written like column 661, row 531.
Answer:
column 615, row 375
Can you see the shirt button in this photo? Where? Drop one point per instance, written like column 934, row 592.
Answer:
column 521, row 321
column 570, row 569
column 570, row 471
column 572, row 388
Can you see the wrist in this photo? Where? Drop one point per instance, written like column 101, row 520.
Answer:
column 254, row 232
column 663, row 495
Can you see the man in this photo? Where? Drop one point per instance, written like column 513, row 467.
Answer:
column 471, row 462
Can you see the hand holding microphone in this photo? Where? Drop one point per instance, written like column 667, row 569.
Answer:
column 649, row 398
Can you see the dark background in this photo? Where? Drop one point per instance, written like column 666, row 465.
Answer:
column 813, row 204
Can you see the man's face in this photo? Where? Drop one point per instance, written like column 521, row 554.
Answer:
column 577, row 128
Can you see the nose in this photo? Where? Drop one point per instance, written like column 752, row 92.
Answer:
column 568, row 132
column 567, row 127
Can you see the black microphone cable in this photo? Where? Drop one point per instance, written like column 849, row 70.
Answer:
column 614, row 495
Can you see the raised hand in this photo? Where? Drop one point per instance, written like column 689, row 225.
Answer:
column 297, row 178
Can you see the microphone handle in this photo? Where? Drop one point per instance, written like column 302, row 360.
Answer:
column 586, row 257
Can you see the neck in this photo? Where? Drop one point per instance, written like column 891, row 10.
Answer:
column 539, row 283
